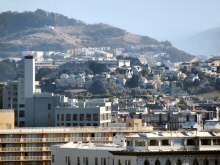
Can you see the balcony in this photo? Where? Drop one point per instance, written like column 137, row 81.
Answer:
column 25, row 149
column 24, row 158
column 10, row 140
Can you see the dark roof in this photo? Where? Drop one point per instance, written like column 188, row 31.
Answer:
column 164, row 153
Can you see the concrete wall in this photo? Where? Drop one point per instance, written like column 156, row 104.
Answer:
column 40, row 111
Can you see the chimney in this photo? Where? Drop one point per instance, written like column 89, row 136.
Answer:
column 29, row 76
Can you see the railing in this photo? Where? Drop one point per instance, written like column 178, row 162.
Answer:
column 25, row 149
column 35, row 130
column 25, row 158
column 91, row 139
column 10, row 140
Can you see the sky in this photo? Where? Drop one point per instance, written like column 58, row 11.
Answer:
column 160, row 19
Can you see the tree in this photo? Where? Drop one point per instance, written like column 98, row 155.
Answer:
column 97, row 68
column 145, row 72
column 133, row 82
column 98, row 87
column 217, row 84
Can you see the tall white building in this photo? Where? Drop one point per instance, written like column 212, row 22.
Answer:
column 29, row 78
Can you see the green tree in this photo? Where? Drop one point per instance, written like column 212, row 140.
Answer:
column 133, row 82
column 97, row 68
column 98, row 87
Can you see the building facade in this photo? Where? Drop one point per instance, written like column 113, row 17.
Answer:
column 158, row 148
column 32, row 146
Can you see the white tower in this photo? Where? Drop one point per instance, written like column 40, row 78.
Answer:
column 29, row 76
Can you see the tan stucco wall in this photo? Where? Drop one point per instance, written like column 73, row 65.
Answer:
column 7, row 119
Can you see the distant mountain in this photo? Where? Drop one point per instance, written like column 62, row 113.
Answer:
column 203, row 43
column 41, row 30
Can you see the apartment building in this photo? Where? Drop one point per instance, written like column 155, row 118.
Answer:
column 87, row 115
column 32, row 146
column 158, row 148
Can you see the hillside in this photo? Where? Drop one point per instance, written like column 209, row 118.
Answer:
column 203, row 43
column 41, row 30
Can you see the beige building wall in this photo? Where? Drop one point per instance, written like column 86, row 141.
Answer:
column 134, row 123
column 7, row 119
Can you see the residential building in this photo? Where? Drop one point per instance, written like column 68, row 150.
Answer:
column 33, row 145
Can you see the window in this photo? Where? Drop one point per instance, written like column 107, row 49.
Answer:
column 69, row 161
column 216, row 141
column 21, row 113
column 168, row 162
column 78, row 160
column 96, row 161
column 68, row 117
column 22, row 123
column 146, row 162
column 53, row 159
column 153, row 143
column 187, row 117
column 58, row 117
column 75, row 124
column 139, row 143
column 206, row 162
column 81, row 117
column 206, row 141
column 165, row 142
column 49, row 106
column 95, row 124
column 68, row 124
column 75, row 117
column 88, row 117
column 129, row 143
column 21, row 105
column 191, row 142
column 179, row 162
column 195, row 162
column 103, row 161
column 85, row 161
column 127, row 162
column 62, row 117
column 119, row 162
column 157, row 162
column 95, row 117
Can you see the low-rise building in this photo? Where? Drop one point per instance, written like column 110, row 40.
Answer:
column 88, row 114
column 178, row 148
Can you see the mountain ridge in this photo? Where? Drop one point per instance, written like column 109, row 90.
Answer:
column 41, row 30
column 203, row 43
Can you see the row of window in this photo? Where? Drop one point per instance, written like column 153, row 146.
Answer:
column 77, row 117
column 85, row 161
column 77, row 124
column 179, row 162
column 166, row 142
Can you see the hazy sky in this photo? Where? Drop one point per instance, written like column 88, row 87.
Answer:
column 161, row 19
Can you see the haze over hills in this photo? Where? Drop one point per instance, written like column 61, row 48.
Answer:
column 41, row 30
column 203, row 43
